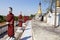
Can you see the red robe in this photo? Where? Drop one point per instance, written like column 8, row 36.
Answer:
column 20, row 21
column 25, row 19
column 10, row 19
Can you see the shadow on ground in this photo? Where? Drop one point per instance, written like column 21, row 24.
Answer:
column 25, row 38
column 3, row 34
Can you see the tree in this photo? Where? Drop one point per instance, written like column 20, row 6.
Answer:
column 2, row 19
column 15, row 18
column 32, row 16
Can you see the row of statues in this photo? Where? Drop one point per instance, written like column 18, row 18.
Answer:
column 10, row 22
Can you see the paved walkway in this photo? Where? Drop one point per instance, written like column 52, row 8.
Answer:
column 43, row 31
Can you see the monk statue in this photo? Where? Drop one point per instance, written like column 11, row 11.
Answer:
column 10, row 22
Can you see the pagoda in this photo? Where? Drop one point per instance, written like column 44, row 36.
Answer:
column 39, row 12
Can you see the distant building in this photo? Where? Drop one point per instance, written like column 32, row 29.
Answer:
column 39, row 12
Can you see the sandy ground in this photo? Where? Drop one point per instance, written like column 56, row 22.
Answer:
column 1, row 24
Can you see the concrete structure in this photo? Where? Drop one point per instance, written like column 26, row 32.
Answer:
column 27, row 35
column 43, row 31
column 3, row 29
column 50, row 17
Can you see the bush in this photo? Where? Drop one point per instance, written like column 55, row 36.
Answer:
column 15, row 18
column 2, row 19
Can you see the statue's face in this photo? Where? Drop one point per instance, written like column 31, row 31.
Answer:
column 9, row 10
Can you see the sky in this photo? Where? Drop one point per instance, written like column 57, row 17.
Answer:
column 27, row 7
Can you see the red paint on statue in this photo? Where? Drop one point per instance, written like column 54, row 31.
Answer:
column 20, row 20
column 26, row 18
column 10, row 19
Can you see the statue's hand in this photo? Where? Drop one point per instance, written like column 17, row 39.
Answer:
column 7, row 22
column 10, row 23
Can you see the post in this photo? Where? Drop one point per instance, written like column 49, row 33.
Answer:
column 55, row 15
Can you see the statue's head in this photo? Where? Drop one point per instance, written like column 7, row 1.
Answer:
column 10, row 9
column 20, row 12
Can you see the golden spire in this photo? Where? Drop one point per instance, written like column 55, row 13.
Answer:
column 39, row 9
column 57, row 3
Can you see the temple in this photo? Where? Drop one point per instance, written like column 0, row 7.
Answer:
column 39, row 12
column 50, row 17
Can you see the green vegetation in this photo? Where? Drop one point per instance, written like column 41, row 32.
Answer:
column 31, row 16
column 2, row 18
column 15, row 18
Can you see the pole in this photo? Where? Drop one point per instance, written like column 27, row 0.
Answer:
column 55, row 15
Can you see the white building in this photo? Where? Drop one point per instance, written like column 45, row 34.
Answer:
column 50, row 17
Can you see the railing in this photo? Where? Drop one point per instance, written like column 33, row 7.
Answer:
column 27, row 35
column 3, row 29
